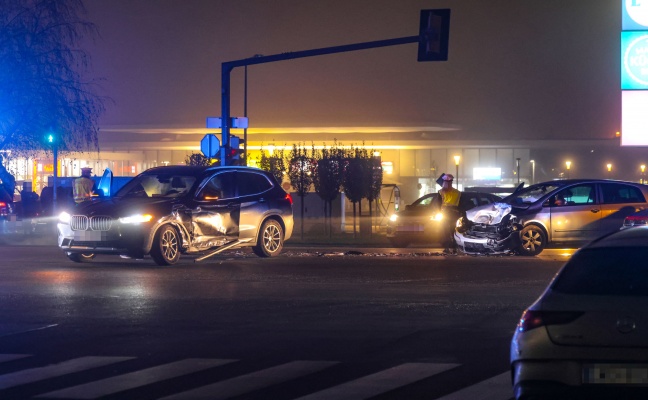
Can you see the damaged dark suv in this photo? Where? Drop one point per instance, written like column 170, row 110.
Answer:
column 168, row 211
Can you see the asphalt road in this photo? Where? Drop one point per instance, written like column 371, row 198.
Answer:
column 314, row 323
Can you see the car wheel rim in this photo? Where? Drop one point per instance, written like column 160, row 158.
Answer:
column 169, row 245
column 531, row 240
column 271, row 238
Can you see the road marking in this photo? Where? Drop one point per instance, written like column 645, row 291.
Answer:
column 9, row 357
column 496, row 388
column 120, row 383
column 253, row 381
column 55, row 370
column 380, row 382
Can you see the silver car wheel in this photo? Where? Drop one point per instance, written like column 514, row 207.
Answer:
column 169, row 243
column 533, row 240
column 271, row 238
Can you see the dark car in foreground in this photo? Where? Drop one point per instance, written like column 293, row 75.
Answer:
column 168, row 211
column 565, row 211
column 587, row 335
column 421, row 220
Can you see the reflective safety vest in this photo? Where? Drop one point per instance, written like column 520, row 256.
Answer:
column 82, row 189
column 450, row 197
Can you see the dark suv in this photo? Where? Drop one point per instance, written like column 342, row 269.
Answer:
column 168, row 211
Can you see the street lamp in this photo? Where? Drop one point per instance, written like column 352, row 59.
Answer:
column 457, row 158
column 609, row 167
column 643, row 170
column 568, row 164
column 532, row 172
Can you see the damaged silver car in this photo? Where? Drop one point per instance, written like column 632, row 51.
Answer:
column 565, row 211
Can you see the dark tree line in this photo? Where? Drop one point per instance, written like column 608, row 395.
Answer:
column 329, row 171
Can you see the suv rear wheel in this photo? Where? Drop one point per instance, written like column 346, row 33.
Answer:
column 270, row 240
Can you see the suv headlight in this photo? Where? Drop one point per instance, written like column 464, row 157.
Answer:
column 393, row 217
column 136, row 219
column 65, row 217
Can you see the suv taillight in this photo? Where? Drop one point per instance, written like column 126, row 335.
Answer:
column 635, row 220
column 534, row 319
column 289, row 198
column 3, row 204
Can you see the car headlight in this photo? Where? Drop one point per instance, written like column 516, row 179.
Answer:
column 65, row 217
column 136, row 219
column 393, row 217
column 437, row 217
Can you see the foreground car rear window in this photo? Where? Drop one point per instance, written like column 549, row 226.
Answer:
column 613, row 271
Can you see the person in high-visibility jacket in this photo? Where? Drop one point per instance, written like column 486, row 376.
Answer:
column 83, row 186
column 450, row 209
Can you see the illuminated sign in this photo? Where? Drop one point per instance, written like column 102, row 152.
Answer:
column 633, row 119
column 634, row 60
column 634, row 15
column 487, row 174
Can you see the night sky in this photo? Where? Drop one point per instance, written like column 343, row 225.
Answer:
column 517, row 68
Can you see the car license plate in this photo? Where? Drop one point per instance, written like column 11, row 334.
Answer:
column 410, row 228
column 88, row 236
column 615, row 374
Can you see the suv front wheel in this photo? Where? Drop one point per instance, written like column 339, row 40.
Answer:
column 270, row 240
column 166, row 246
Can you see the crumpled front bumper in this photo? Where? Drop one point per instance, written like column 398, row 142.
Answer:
column 492, row 244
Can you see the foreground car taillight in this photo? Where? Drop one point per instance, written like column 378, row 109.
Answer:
column 534, row 319
column 635, row 220
column 289, row 198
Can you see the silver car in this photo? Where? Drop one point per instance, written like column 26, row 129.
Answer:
column 587, row 334
column 576, row 210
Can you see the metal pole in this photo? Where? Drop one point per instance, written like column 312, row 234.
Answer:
column 517, row 160
column 55, row 153
column 245, row 115
column 225, row 111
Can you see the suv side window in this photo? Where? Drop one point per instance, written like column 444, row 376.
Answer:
column 219, row 186
column 251, row 183
column 614, row 193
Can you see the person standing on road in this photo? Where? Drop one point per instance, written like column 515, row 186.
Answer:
column 450, row 209
column 8, row 181
column 83, row 185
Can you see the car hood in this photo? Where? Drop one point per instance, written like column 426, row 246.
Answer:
column 489, row 214
column 123, row 206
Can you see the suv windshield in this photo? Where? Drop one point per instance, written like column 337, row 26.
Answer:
column 531, row 194
column 160, row 185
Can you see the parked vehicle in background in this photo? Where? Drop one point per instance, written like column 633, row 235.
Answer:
column 576, row 210
column 168, row 211
column 421, row 220
column 587, row 335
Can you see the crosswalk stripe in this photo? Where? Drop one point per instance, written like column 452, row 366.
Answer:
column 54, row 370
column 120, row 383
column 495, row 388
column 9, row 357
column 380, row 382
column 253, row 381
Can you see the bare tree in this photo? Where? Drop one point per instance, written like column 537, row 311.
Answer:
column 327, row 178
column 43, row 70
column 300, row 173
column 352, row 181
column 274, row 162
column 197, row 159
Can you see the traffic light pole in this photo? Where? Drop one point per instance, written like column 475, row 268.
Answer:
column 55, row 153
column 227, row 67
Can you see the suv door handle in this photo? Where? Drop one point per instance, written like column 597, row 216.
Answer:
column 595, row 210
